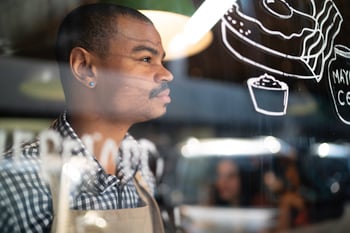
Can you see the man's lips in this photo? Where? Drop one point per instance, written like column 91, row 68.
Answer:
column 164, row 95
column 166, row 92
column 159, row 91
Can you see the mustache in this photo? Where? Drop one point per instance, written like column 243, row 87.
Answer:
column 156, row 91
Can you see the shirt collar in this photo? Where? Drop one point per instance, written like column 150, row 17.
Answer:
column 95, row 179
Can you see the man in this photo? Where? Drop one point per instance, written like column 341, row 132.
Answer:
column 111, row 65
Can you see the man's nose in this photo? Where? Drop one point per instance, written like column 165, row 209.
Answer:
column 164, row 75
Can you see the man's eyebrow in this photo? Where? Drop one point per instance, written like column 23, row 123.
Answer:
column 147, row 48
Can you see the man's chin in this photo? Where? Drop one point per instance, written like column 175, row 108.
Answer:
column 159, row 113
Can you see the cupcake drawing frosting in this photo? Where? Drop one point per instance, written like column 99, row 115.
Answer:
column 269, row 95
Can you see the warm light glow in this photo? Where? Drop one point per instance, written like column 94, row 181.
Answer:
column 170, row 26
column 207, row 15
column 232, row 219
column 234, row 147
column 272, row 144
column 332, row 150
column 323, row 149
column 200, row 24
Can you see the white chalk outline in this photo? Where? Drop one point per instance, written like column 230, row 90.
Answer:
column 284, row 87
column 346, row 55
column 306, row 58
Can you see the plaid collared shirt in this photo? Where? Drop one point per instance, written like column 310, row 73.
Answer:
column 25, row 197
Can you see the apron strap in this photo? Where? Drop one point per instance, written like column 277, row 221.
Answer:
column 144, row 192
column 54, row 183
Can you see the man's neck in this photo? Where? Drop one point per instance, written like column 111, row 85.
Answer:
column 103, row 132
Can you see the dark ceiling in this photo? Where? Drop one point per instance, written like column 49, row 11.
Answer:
column 213, row 64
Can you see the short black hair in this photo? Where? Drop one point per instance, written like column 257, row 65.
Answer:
column 90, row 27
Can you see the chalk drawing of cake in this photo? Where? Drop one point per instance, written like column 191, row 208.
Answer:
column 292, row 38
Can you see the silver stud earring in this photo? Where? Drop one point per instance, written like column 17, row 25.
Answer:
column 92, row 84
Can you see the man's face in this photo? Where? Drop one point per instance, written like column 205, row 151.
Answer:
column 131, row 79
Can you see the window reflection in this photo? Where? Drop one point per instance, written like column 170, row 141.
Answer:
column 223, row 163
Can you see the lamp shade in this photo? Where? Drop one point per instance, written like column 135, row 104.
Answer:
column 184, row 7
column 171, row 17
column 171, row 27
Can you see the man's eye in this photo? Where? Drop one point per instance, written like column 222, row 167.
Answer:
column 146, row 59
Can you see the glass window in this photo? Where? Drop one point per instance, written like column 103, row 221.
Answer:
column 255, row 137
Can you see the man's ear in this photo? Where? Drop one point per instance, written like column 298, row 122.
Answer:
column 82, row 67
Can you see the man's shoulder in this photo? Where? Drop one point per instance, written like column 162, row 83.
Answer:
column 20, row 157
column 20, row 166
column 28, row 149
column 23, row 191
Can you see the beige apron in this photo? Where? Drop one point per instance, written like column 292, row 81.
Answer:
column 144, row 219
